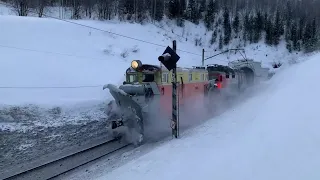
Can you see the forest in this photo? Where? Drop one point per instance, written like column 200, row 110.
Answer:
column 297, row 22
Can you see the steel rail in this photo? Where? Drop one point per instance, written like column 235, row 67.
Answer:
column 54, row 165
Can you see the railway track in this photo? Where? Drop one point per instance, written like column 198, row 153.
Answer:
column 51, row 166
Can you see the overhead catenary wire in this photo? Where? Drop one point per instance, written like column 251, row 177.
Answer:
column 48, row 87
column 47, row 52
column 121, row 35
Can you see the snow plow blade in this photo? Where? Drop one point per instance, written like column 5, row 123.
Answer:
column 126, row 119
column 123, row 100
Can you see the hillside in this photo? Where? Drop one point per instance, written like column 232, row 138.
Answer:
column 64, row 63
column 53, row 53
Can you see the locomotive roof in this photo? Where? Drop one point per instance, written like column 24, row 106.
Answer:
column 183, row 69
column 211, row 67
column 221, row 68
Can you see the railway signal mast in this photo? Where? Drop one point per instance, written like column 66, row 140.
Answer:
column 169, row 59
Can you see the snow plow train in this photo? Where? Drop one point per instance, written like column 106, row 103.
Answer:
column 146, row 93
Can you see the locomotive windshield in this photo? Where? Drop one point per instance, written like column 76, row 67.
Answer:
column 148, row 77
column 139, row 73
column 145, row 77
column 213, row 76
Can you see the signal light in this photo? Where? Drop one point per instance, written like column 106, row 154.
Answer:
column 164, row 57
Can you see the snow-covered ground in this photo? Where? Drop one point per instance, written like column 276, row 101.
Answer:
column 273, row 135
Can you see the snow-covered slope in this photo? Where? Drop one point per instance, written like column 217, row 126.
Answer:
column 49, row 62
column 273, row 135
column 49, row 53
column 39, row 52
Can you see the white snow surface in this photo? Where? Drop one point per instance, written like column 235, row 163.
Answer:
column 273, row 135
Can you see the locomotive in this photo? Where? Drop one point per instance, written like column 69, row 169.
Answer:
column 147, row 93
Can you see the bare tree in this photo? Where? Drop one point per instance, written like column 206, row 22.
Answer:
column 40, row 6
column 105, row 9
column 76, row 7
column 88, row 6
column 21, row 7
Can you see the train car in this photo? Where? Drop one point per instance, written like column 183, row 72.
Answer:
column 232, row 81
column 147, row 94
column 192, row 84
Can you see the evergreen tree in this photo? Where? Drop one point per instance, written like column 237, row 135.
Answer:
column 301, row 28
column 213, row 37
column 202, row 6
column 210, row 14
column 278, row 29
column 183, row 6
column 269, row 32
column 310, row 38
column 251, row 29
column 288, row 13
column 294, row 37
column 265, row 20
column 236, row 24
column 173, row 9
column 307, row 35
column 314, row 28
column 246, row 27
column 220, row 42
column 257, row 27
column 159, row 10
column 193, row 13
column 140, row 10
column 226, row 27
column 129, row 6
column 289, row 46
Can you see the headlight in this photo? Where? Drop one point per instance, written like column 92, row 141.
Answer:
column 136, row 64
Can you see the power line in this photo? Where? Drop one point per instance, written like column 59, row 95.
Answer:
column 117, row 34
column 158, row 26
column 48, row 87
column 47, row 52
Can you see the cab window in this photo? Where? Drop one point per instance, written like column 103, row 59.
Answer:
column 190, row 77
column 148, row 77
column 132, row 78
column 165, row 77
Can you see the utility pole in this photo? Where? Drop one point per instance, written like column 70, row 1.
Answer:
column 202, row 57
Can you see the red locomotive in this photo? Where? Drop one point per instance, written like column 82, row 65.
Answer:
column 147, row 93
